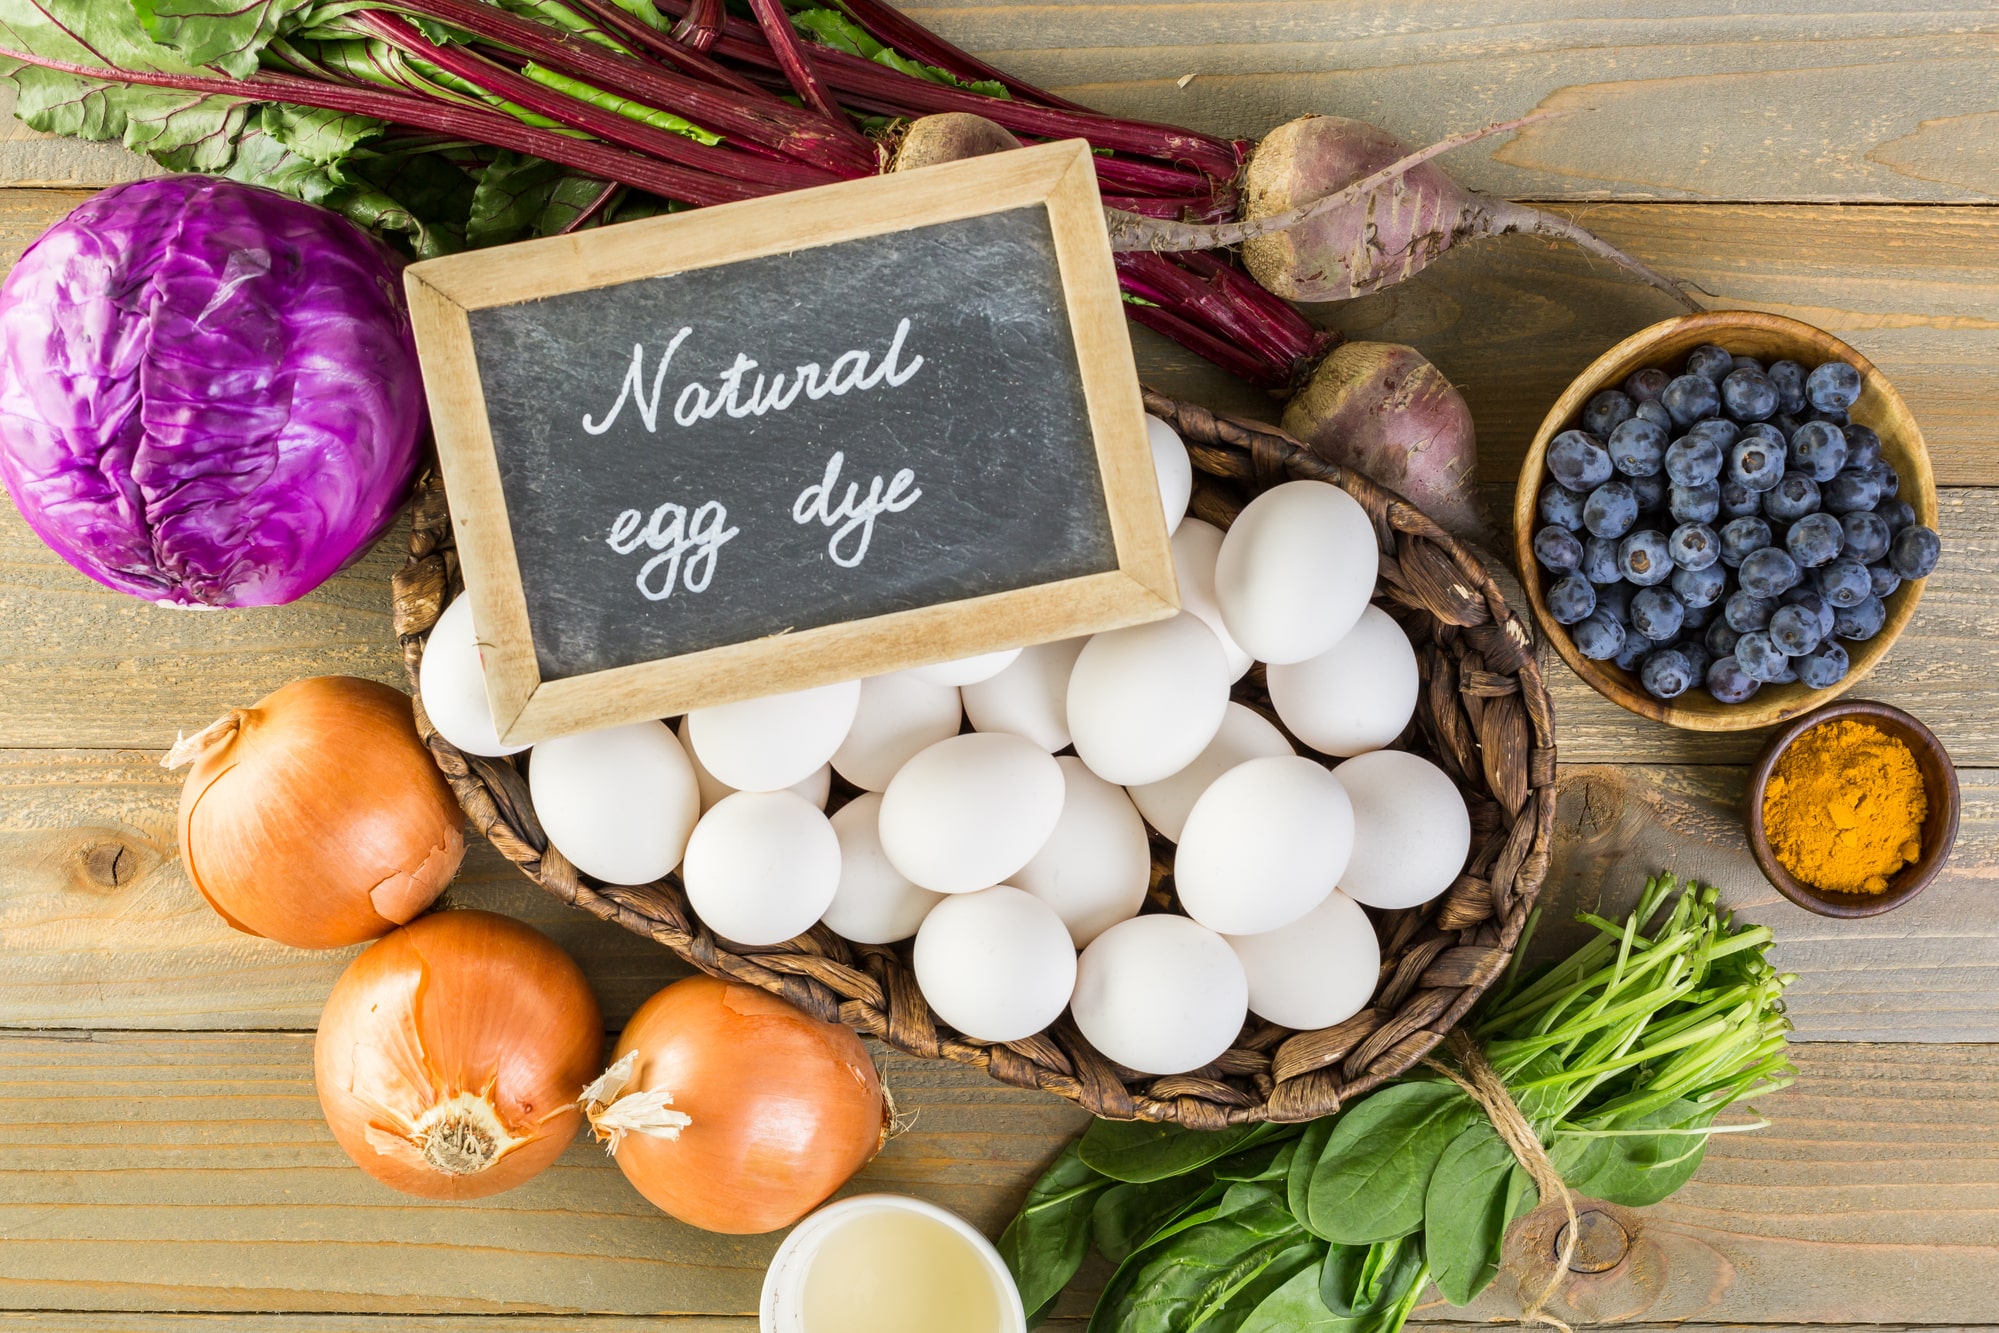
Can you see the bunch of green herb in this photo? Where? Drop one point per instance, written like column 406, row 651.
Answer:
column 1620, row 1058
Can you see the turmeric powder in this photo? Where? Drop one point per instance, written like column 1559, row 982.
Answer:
column 1844, row 808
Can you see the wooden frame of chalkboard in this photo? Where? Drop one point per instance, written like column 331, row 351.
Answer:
column 538, row 689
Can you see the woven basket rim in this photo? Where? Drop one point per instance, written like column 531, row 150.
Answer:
column 1483, row 714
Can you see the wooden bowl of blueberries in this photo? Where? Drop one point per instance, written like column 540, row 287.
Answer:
column 1726, row 520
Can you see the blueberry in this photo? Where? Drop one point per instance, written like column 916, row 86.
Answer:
column 1598, row 636
column 1561, row 506
column 1657, row 614
column 1887, row 478
column 1667, row 674
column 1719, row 429
column 1854, row 488
column 1728, row 682
column 1818, row 450
column 1795, row 630
column 1740, row 536
column 1792, row 498
column 1637, row 448
column 1756, row 462
column 1645, row 386
column 1897, row 514
column 1866, row 536
column 1694, row 504
column 1694, row 546
column 1656, row 414
column 1745, row 612
column 1844, row 583
column 1599, row 563
column 1738, row 501
column 1606, row 411
column 1883, row 579
column 1749, row 395
column 1913, row 553
column 1814, row 539
column 1650, row 492
column 1760, row 658
column 1645, row 558
column 1824, row 668
column 1860, row 622
column 1611, row 509
column 1833, row 387
column 1700, row 588
column 1788, row 378
column 1741, row 362
column 1693, row 459
column 1695, row 620
column 1789, row 675
column 1690, row 398
column 1557, row 550
column 1721, row 637
column 1571, row 599
column 1839, row 419
column 1616, row 599
column 1812, row 602
column 1768, row 572
column 1697, row 657
column 1863, row 446
column 1636, row 646
column 1578, row 460
column 1710, row 362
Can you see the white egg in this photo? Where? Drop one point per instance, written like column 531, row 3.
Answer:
column 453, row 688
column 899, row 714
column 1031, row 697
column 969, row 811
column 1319, row 970
column 1412, row 831
column 1195, row 547
column 1356, row 696
column 815, row 788
column 1145, row 701
column 996, row 965
column 770, row 743
column 1160, row 994
column 1096, row 866
column 1295, row 571
column 875, row 904
column 1245, row 735
column 762, row 867
column 618, row 803
column 967, row 670
column 1264, row 845
column 1175, row 469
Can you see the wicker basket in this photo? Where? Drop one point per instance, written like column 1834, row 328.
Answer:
column 1483, row 714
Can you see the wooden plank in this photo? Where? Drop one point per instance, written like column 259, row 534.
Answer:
column 193, row 1172
column 97, row 917
column 1928, row 972
column 30, row 157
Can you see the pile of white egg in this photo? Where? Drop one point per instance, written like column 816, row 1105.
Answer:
column 1004, row 859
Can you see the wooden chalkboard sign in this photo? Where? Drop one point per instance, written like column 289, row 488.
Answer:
column 770, row 445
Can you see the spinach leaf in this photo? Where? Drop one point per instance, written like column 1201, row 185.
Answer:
column 1138, row 1151
column 1298, row 1180
column 1269, row 1160
column 1637, row 1170
column 1126, row 1218
column 1365, row 1279
column 1045, row 1243
column 1210, row 1273
column 1370, row 1179
column 1467, row 1209
column 1295, row 1307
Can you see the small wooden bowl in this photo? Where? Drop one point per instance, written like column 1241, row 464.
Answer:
column 1939, row 827
column 1768, row 338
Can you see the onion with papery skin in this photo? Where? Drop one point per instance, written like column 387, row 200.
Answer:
column 449, row 1055
column 316, row 817
column 734, row 1111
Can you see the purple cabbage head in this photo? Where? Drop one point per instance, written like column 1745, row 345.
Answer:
column 209, row 392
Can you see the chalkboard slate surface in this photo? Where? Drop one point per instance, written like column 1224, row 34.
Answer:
column 990, row 423
column 770, row 445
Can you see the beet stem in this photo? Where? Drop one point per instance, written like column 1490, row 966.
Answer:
column 1132, row 232
column 891, row 27
column 1509, row 218
column 690, row 62
column 597, row 206
column 1206, row 345
column 700, row 26
column 798, row 66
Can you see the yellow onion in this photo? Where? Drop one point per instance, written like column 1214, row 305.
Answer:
column 735, row 1111
column 315, row 817
column 450, row 1052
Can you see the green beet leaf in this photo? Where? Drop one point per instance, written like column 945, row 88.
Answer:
column 1370, row 1179
column 1467, row 1209
column 1044, row 1244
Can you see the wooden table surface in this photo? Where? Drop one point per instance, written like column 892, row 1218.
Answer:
column 162, row 1159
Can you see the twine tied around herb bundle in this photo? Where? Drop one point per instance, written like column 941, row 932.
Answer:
column 1482, row 1083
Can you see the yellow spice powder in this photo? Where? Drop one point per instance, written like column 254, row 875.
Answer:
column 1844, row 808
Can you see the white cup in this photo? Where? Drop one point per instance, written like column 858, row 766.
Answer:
column 782, row 1309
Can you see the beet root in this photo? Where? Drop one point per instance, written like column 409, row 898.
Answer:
column 1385, row 412
column 948, row 137
column 1389, row 233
